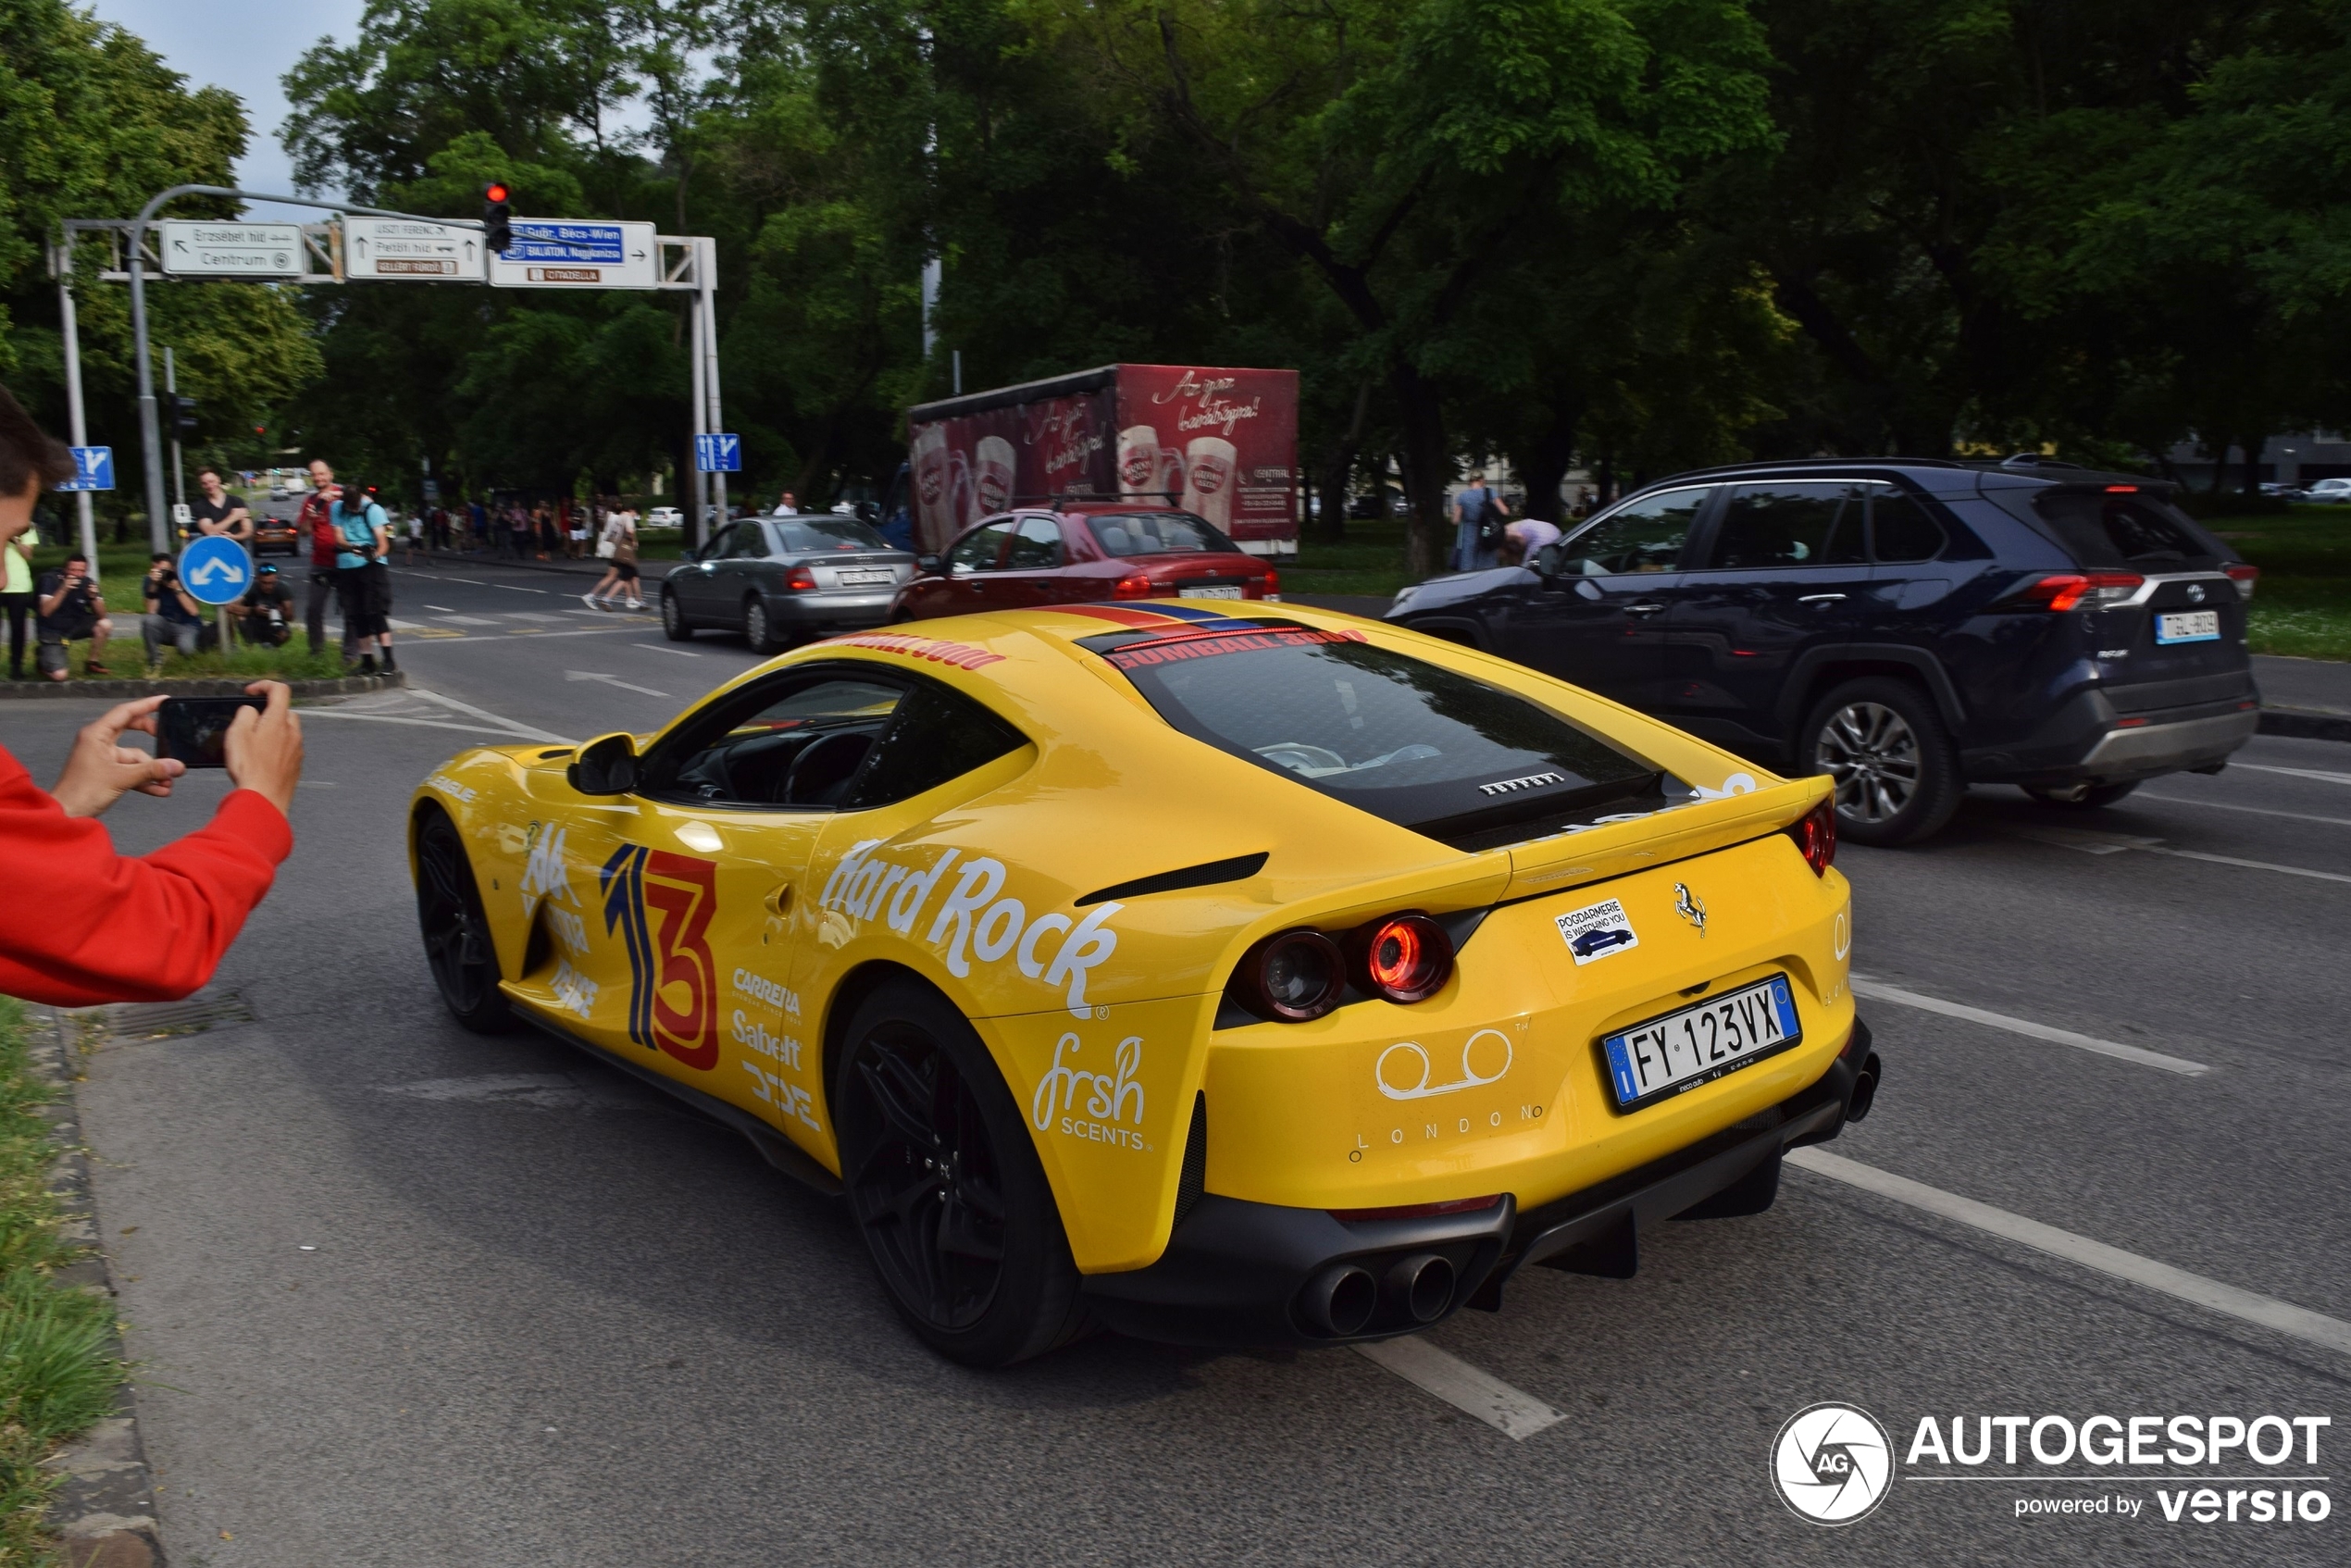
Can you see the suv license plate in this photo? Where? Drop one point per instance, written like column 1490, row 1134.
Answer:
column 1696, row 1045
column 2188, row 626
column 866, row 579
column 1208, row 594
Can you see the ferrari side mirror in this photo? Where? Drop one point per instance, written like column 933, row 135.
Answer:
column 607, row 765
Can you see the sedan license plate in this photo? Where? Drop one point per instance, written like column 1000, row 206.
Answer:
column 2188, row 626
column 1698, row 1044
column 1208, row 594
column 867, row 579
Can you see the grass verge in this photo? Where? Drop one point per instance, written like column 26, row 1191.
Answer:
column 2303, row 606
column 59, row 1371
column 1370, row 560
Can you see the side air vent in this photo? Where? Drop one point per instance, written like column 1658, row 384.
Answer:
column 1203, row 875
column 1193, row 1179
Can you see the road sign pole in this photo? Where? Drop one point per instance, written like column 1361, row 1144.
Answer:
column 75, row 422
column 707, row 297
column 698, row 523
column 150, row 433
column 171, row 385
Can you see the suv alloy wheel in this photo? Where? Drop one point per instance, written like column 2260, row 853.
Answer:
column 1897, row 771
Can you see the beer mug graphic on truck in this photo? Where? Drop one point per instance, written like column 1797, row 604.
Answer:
column 1137, row 459
column 1208, row 479
column 992, row 474
column 931, row 481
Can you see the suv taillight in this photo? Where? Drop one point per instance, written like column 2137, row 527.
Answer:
column 2065, row 591
column 1815, row 836
column 2245, row 576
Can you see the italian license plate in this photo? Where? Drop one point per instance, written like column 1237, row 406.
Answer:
column 1696, row 1044
column 867, row 579
column 2188, row 626
column 1208, row 594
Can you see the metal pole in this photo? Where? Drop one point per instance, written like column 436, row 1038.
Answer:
column 171, row 385
column 697, row 522
column 933, row 270
column 150, row 437
column 707, row 275
column 75, row 423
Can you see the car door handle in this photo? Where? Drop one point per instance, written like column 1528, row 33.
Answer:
column 1818, row 597
column 1643, row 609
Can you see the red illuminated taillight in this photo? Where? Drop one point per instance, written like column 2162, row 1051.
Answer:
column 1269, row 585
column 1135, row 587
column 799, row 580
column 1292, row 977
column 2065, row 591
column 1403, row 958
column 2245, row 576
column 1815, row 836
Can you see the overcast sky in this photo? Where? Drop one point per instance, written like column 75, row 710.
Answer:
column 244, row 45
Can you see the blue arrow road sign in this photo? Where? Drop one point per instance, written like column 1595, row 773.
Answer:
column 92, row 468
column 536, row 240
column 214, row 569
column 718, row 453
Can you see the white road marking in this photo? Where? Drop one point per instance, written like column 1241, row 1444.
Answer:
column 515, row 726
column 468, row 620
column 2294, row 772
column 2250, row 864
column 1513, row 1413
column 537, row 616
column 2090, row 842
column 611, row 680
column 2251, row 811
column 512, row 589
column 402, row 718
column 444, row 608
column 2315, row 1328
column 1877, row 990
column 657, row 648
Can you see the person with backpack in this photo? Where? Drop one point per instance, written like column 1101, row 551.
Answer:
column 1478, row 519
column 363, row 577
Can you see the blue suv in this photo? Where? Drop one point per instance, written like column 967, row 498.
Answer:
column 1908, row 626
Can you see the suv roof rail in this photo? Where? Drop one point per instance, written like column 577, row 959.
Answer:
column 1768, row 465
column 2034, row 460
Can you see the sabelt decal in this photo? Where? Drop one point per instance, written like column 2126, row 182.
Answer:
column 960, row 654
column 971, row 922
column 1093, row 1106
column 662, row 902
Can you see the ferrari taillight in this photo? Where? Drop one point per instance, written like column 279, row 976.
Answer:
column 1815, row 836
column 1403, row 958
column 1293, row 977
column 1138, row 586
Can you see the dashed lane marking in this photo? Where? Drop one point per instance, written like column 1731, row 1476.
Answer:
column 2090, row 842
column 681, row 652
column 2248, row 865
column 2246, row 1306
column 511, row 588
column 2250, row 811
column 611, row 680
column 1511, row 1411
column 2294, row 772
column 1877, row 990
column 442, row 608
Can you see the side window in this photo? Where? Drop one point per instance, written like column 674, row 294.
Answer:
column 1791, row 523
column 1900, row 528
column 748, row 542
column 717, row 544
column 978, row 550
column 1646, row 536
column 1037, row 545
column 936, row 735
column 795, row 743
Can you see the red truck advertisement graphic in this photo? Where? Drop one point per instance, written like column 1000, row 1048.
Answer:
column 1222, row 443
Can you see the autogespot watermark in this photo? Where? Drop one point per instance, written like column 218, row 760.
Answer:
column 1832, row 1463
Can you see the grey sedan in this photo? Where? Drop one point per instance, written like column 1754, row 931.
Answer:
column 781, row 581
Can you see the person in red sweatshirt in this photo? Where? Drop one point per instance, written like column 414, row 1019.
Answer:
column 80, row 924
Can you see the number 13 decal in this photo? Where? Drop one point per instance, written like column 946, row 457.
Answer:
column 673, row 999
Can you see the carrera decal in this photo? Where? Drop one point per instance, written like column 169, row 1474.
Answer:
column 673, row 991
column 960, row 654
column 972, row 922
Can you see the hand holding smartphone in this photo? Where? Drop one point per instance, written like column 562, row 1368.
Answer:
column 195, row 729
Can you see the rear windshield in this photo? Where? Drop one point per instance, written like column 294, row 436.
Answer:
column 1156, row 533
column 1408, row 741
column 2138, row 529
column 802, row 536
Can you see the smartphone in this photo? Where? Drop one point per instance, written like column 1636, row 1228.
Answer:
column 196, row 728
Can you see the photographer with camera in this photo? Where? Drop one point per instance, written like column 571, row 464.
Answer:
column 84, row 925
column 363, row 575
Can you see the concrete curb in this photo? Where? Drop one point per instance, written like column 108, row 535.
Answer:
column 345, row 686
column 2308, row 724
column 103, row 1510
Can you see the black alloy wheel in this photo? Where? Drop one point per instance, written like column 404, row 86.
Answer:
column 757, row 630
column 674, row 624
column 1896, row 770
column 945, row 1186
column 455, row 930
column 2083, row 797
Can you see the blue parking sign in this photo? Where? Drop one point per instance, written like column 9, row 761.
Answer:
column 214, row 569
column 718, row 453
column 92, row 468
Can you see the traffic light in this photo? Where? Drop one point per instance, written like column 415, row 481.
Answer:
column 497, row 217
column 179, row 414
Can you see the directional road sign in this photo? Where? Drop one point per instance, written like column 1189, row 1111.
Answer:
column 551, row 252
column 214, row 569
column 92, row 468
column 404, row 248
column 195, row 249
column 718, row 453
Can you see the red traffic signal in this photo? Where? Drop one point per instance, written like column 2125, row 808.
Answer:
column 494, row 193
column 497, row 226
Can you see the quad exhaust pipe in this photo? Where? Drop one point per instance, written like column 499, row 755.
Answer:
column 1864, row 1089
column 1339, row 1299
column 1419, row 1288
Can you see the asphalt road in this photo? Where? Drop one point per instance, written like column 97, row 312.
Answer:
column 405, row 1296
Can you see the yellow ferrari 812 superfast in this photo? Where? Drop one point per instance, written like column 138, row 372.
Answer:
column 1221, row 974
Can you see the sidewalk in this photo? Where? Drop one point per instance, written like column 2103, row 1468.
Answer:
column 2305, row 697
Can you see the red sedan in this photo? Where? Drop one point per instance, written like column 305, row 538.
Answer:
column 1085, row 553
